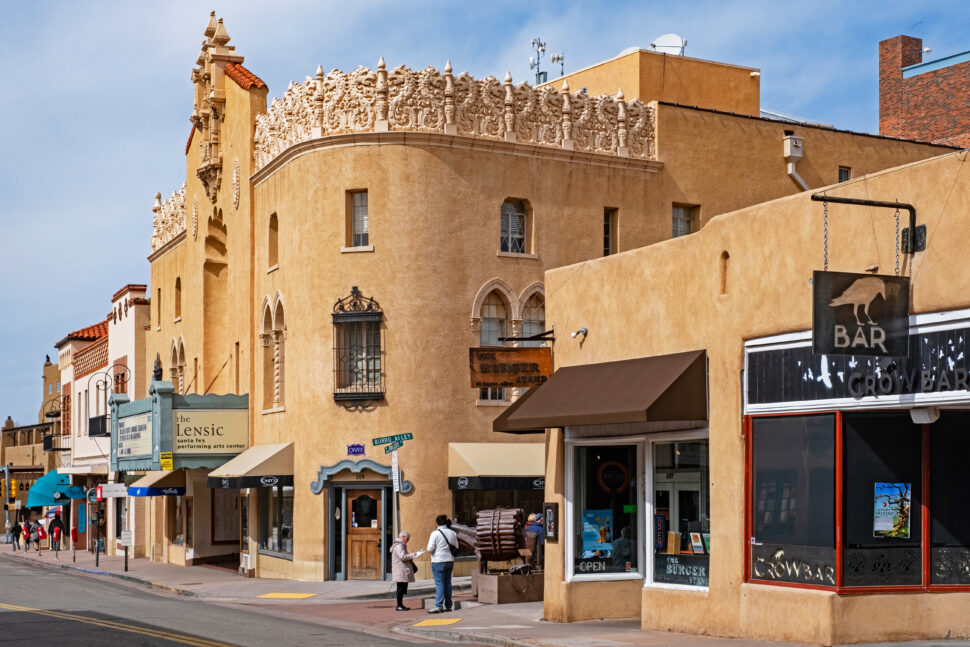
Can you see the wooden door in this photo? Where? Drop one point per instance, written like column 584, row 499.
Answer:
column 363, row 520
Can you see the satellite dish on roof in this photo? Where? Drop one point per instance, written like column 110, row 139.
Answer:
column 669, row 44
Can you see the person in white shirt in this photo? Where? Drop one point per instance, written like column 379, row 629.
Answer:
column 442, row 545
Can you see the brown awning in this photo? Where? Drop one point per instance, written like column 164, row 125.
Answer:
column 665, row 392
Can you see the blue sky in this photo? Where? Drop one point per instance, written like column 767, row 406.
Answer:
column 96, row 99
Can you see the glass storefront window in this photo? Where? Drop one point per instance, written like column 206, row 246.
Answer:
column 605, row 530
column 793, row 499
column 949, row 521
column 681, row 522
column 276, row 519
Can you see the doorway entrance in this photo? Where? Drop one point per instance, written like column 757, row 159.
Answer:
column 363, row 520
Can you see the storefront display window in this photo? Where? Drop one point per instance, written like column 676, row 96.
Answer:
column 681, row 523
column 606, row 535
column 883, row 500
column 244, row 523
column 793, row 499
column 188, row 521
column 176, row 521
column 950, row 523
column 276, row 519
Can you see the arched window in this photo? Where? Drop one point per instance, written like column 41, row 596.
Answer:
column 533, row 319
column 514, row 227
column 494, row 314
column 178, row 297
column 273, row 336
column 178, row 366
column 273, row 242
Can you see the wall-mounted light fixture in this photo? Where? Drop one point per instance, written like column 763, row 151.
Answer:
column 582, row 331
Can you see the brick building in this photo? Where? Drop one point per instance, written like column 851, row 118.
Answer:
column 926, row 101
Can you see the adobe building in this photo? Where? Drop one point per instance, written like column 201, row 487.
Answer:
column 333, row 256
column 924, row 100
column 709, row 472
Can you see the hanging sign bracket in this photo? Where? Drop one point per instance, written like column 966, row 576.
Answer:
column 908, row 243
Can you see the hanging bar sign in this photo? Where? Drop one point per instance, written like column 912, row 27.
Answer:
column 860, row 314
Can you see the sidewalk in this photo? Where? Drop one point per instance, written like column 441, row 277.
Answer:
column 368, row 606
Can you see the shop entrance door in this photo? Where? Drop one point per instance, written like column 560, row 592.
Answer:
column 678, row 499
column 363, row 526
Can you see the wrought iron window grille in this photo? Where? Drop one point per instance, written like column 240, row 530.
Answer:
column 358, row 350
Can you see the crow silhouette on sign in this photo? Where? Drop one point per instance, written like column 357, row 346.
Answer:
column 862, row 292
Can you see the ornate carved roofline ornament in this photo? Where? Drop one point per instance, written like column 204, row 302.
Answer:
column 430, row 101
column 356, row 307
column 169, row 218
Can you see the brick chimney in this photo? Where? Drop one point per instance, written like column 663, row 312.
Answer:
column 895, row 54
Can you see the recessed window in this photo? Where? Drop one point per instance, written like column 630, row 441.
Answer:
column 609, row 231
column 358, row 220
column 178, row 297
column 358, row 348
column 273, row 337
column 494, row 314
column 276, row 518
column 272, row 242
column 684, row 219
column 845, row 173
column 514, row 222
column 158, row 308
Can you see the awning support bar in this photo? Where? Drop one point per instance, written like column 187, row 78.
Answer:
column 909, row 243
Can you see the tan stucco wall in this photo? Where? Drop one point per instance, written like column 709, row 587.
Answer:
column 668, row 298
column 652, row 76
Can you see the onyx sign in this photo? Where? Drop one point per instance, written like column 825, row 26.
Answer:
column 860, row 314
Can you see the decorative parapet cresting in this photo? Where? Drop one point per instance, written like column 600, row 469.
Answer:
column 427, row 100
column 169, row 219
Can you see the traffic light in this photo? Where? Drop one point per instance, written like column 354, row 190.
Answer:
column 13, row 488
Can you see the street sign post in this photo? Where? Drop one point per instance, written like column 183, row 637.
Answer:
column 387, row 440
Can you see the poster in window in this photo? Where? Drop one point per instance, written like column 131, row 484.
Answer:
column 597, row 531
column 891, row 510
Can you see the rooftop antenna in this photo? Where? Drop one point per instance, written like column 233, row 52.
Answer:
column 669, row 44
column 539, row 46
column 561, row 59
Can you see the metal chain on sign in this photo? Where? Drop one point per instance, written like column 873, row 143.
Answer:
column 897, row 241
column 825, row 234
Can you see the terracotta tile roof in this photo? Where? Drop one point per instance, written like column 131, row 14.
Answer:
column 188, row 144
column 137, row 287
column 243, row 77
column 91, row 333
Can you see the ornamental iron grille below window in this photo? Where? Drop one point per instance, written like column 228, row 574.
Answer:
column 358, row 348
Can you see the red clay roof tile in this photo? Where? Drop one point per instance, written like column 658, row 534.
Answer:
column 90, row 333
column 243, row 77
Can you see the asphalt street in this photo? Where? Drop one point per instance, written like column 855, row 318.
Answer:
column 41, row 607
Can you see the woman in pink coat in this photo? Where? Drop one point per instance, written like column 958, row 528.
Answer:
column 402, row 568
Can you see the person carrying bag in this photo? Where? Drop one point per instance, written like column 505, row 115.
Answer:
column 443, row 546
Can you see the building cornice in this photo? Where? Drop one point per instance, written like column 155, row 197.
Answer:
column 455, row 142
column 167, row 247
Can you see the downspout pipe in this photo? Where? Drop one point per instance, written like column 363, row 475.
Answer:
column 793, row 152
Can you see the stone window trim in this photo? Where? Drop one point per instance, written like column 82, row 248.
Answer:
column 357, row 250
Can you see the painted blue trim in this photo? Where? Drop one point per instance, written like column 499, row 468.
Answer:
column 932, row 66
column 326, row 471
column 156, row 491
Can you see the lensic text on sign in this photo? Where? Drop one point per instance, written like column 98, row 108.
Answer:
column 395, row 445
column 384, row 440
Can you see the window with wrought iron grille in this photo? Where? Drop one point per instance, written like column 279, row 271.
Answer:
column 494, row 326
column 513, row 234
column 358, row 228
column 358, row 348
column 683, row 219
column 845, row 174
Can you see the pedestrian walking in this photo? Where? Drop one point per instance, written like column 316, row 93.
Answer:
column 56, row 530
column 15, row 535
column 37, row 534
column 402, row 567
column 443, row 546
column 26, row 533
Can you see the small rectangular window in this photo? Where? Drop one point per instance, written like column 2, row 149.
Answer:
column 684, row 219
column 358, row 222
column 609, row 231
column 845, row 173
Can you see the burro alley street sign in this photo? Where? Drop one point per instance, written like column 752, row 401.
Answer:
column 387, row 440
column 860, row 314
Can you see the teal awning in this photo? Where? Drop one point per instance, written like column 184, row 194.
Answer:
column 52, row 488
